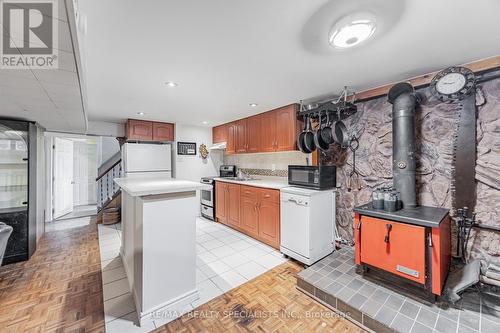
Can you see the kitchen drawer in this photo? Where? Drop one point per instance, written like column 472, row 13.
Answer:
column 268, row 195
column 249, row 191
column 400, row 251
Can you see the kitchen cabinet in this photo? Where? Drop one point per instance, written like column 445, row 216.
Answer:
column 163, row 131
column 139, row 130
column 143, row 130
column 275, row 130
column 220, row 201
column 287, row 128
column 231, row 138
column 227, row 208
column 233, row 205
column 241, row 136
column 219, row 134
column 269, row 217
column 252, row 210
column 253, row 134
column 248, row 208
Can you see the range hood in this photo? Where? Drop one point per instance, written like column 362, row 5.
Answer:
column 218, row 146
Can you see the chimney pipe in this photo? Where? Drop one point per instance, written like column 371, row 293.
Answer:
column 403, row 99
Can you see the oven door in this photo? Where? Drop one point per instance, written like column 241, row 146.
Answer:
column 207, row 197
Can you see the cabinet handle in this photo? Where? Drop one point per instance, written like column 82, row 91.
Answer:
column 267, row 196
column 389, row 227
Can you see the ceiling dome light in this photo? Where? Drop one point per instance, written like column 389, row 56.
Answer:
column 141, row 113
column 171, row 84
column 253, row 104
column 352, row 30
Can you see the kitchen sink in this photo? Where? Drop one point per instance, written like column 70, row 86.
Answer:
column 241, row 179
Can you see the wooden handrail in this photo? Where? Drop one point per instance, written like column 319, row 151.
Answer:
column 109, row 165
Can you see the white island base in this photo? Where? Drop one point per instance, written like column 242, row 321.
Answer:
column 159, row 247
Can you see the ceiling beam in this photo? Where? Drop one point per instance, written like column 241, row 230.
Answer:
column 423, row 80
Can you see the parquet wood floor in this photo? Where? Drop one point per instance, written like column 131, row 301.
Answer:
column 59, row 289
column 269, row 303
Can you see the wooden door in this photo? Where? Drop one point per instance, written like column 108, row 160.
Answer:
column 269, row 217
column 286, row 132
column 399, row 250
column 231, row 136
column 268, row 132
column 233, row 205
column 249, row 217
column 163, row 131
column 253, row 134
column 219, row 134
column 139, row 130
column 241, row 136
column 220, row 201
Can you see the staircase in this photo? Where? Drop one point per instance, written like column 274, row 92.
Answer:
column 108, row 193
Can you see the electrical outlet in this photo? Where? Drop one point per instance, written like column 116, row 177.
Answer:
column 273, row 167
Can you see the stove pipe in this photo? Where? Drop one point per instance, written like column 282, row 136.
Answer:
column 403, row 99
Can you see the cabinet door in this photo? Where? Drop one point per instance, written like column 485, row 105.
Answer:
column 233, row 205
column 220, row 201
column 269, row 217
column 241, row 136
column 139, row 130
column 163, row 131
column 249, row 217
column 268, row 131
column 398, row 248
column 286, row 130
column 219, row 134
column 231, row 136
column 253, row 134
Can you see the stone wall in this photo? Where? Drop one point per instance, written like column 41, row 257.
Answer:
column 435, row 124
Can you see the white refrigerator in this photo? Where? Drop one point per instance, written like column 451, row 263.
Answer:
column 147, row 159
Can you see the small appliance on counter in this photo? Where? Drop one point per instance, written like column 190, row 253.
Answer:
column 207, row 197
column 307, row 222
column 320, row 177
column 386, row 198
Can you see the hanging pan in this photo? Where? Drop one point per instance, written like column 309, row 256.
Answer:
column 305, row 141
column 341, row 135
column 318, row 137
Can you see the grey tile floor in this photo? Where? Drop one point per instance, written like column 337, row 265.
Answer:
column 335, row 276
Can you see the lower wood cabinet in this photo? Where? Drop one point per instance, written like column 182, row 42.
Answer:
column 252, row 210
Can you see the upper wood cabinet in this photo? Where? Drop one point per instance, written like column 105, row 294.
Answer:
column 241, row 136
column 231, row 138
column 275, row 130
column 219, row 134
column 163, row 131
column 252, row 133
column 142, row 130
column 139, row 130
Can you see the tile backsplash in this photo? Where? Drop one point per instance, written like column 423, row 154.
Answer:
column 267, row 164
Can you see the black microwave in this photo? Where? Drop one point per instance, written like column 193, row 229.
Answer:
column 320, row 177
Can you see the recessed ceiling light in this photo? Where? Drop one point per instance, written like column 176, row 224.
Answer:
column 352, row 30
column 171, row 84
column 253, row 104
column 141, row 113
column 204, row 122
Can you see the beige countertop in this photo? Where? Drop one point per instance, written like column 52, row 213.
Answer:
column 276, row 183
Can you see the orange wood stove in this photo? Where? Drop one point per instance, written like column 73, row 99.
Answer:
column 409, row 248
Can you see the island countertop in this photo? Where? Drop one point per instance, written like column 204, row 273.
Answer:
column 137, row 187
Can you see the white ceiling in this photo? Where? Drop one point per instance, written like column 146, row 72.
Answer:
column 225, row 54
column 49, row 97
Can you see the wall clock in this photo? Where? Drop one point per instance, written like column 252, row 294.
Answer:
column 453, row 83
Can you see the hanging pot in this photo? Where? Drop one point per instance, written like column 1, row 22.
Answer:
column 327, row 131
column 305, row 141
column 341, row 135
column 318, row 137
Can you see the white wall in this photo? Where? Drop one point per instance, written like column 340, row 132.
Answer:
column 105, row 128
column 195, row 167
column 41, row 197
column 107, row 147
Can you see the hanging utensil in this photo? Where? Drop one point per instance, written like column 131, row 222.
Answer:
column 318, row 138
column 341, row 134
column 305, row 141
column 326, row 132
column 354, row 181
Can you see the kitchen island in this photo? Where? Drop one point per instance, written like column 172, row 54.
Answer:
column 158, row 247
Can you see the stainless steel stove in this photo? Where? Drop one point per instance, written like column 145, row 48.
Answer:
column 208, row 196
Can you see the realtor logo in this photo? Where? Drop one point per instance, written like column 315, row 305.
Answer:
column 29, row 38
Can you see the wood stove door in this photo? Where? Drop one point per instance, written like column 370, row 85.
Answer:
column 398, row 248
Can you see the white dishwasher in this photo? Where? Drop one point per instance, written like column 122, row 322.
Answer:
column 307, row 221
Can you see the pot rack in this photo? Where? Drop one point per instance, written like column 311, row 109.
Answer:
column 338, row 109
